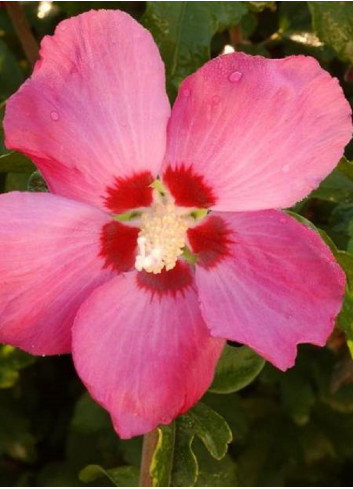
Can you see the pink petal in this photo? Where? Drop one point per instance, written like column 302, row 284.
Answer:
column 95, row 110
column 261, row 133
column 277, row 285
column 49, row 263
column 143, row 350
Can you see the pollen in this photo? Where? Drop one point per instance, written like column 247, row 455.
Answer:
column 161, row 238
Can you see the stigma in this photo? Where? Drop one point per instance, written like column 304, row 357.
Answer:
column 162, row 236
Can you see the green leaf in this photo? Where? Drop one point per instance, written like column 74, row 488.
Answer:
column 15, row 162
column 211, row 428
column 345, row 317
column 36, row 183
column 16, row 181
column 162, row 461
column 174, row 461
column 184, row 30
column 333, row 23
column 214, row 473
column 125, row 476
column 294, row 17
column 345, row 259
column 302, row 220
column 236, row 369
column 185, row 466
column 11, row 361
column 338, row 186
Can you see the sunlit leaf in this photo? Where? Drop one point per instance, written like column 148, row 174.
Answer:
column 12, row 361
column 333, row 23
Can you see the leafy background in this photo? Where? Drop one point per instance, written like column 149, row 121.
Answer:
column 293, row 428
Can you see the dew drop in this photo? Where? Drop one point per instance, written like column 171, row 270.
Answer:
column 186, row 92
column 216, row 99
column 282, row 220
column 235, row 76
column 285, row 168
column 54, row 115
column 62, row 26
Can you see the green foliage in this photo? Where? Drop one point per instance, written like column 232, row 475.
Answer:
column 338, row 186
column 333, row 23
column 289, row 429
column 174, row 461
column 36, row 183
column 12, row 361
column 184, row 30
column 237, row 368
column 125, row 476
column 15, row 163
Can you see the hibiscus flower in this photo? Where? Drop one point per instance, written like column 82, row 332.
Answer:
column 157, row 241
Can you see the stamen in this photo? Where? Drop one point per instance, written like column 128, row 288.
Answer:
column 161, row 238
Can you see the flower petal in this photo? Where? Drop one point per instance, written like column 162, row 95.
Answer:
column 277, row 285
column 49, row 263
column 143, row 350
column 94, row 112
column 261, row 133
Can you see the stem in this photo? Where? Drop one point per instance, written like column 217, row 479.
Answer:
column 23, row 31
column 150, row 441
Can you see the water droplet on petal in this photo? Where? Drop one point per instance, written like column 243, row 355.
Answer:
column 62, row 26
column 216, row 99
column 186, row 92
column 54, row 115
column 285, row 168
column 282, row 219
column 235, row 76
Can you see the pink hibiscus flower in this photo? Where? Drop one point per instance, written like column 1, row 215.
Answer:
column 146, row 326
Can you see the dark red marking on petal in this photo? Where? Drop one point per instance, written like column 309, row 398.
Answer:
column 188, row 188
column 169, row 282
column 130, row 192
column 210, row 241
column 118, row 246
